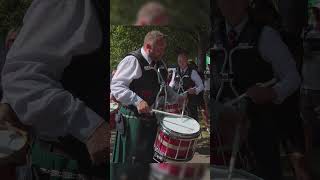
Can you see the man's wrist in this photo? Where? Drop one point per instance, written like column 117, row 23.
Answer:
column 137, row 101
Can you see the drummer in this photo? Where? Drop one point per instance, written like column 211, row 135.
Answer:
column 135, row 85
column 187, row 79
column 269, row 59
column 44, row 84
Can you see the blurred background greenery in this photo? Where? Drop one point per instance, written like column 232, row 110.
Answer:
column 11, row 14
column 184, row 13
column 124, row 39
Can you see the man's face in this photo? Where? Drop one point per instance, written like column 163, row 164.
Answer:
column 182, row 61
column 233, row 8
column 157, row 49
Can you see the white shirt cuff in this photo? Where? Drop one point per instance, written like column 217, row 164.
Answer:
column 137, row 100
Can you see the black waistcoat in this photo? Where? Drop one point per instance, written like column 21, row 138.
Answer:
column 185, row 77
column 248, row 67
column 147, row 86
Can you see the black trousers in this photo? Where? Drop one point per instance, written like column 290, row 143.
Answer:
column 272, row 125
column 264, row 141
column 193, row 110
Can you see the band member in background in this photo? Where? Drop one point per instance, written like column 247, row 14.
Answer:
column 254, row 64
column 136, row 85
column 44, row 84
column 187, row 79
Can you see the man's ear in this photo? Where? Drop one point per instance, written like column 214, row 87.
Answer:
column 148, row 46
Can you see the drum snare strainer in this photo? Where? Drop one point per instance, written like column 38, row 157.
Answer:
column 176, row 139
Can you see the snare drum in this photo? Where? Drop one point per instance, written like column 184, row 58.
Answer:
column 176, row 171
column 221, row 173
column 13, row 146
column 176, row 139
column 114, row 107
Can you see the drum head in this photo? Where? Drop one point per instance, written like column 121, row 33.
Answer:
column 10, row 142
column 221, row 173
column 184, row 125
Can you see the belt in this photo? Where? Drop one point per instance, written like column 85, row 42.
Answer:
column 51, row 146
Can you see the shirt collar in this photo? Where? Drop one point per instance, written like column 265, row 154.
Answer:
column 184, row 70
column 238, row 28
column 144, row 54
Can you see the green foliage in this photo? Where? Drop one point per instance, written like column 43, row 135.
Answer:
column 124, row 39
column 185, row 13
column 12, row 13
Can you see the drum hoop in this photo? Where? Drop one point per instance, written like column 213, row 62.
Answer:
column 172, row 159
column 25, row 145
column 170, row 132
column 239, row 171
column 177, row 135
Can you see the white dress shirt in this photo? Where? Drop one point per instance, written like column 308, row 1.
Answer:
column 128, row 70
column 52, row 33
column 194, row 77
column 274, row 51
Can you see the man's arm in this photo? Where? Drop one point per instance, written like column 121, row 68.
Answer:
column 127, row 70
column 274, row 51
column 53, row 32
column 197, row 80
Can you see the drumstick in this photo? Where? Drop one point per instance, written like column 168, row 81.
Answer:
column 170, row 114
column 165, row 113
column 235, row 149
column 185, row 92
column 266, row 84
column 183, row 108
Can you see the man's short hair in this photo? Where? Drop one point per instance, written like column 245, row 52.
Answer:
column 182, row 52
column 153, row 36
column 152, row 10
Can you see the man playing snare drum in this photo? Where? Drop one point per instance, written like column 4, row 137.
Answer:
column 189, row 80
column 256, row 55
column 45, row 85
column 135, row 85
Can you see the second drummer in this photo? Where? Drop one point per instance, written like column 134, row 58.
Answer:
column 186, row 78
column 136, row 85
